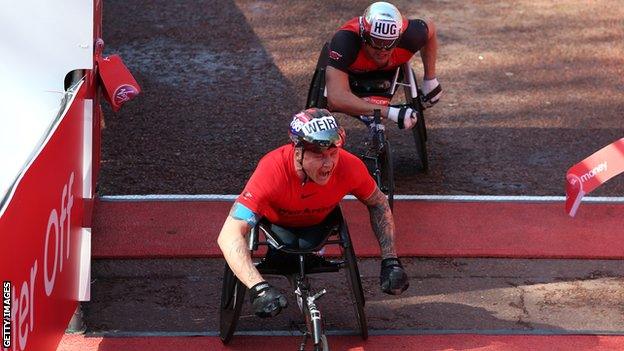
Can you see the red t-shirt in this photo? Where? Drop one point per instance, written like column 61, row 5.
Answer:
column 275, row 191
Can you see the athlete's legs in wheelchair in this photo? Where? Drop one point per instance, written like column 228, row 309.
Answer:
column 282, row 258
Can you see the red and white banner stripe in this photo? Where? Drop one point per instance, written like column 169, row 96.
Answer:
column 592, row 172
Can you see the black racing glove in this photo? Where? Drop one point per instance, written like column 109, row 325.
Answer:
column 266, row 300
column 393, row 279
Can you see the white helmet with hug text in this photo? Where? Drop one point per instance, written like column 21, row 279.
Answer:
column 381, row 25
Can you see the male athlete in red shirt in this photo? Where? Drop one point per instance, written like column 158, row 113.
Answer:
column 298, row 185
column 380, row 40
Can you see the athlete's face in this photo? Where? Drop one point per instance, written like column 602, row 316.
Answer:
column 380, row 57
column 320, row 165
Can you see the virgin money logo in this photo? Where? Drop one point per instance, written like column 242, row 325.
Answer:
column 124, row 93
column 574, row 181
column 591, row 174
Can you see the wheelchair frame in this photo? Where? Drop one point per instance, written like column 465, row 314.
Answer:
column 233, row 291
column 379, row 156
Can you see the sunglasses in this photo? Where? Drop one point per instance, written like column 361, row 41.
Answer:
column 381, row 44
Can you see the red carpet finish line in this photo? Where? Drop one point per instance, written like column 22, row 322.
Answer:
column 463, row 342
column 167, row 229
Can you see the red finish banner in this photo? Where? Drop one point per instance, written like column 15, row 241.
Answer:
column 40, row 234
column 592, row 172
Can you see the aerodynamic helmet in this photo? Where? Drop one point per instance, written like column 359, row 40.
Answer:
column 381, row 25
column 316, row 128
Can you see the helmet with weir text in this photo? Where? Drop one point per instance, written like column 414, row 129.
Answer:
column 381, row 25
column 316, row 128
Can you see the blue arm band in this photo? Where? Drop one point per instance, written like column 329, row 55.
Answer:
column 241, row 212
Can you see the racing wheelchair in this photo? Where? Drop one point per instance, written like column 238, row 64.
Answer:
column 291, row 253
column 378, row 88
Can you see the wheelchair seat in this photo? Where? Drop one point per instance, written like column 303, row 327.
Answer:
column 287, row 245
column 377, row 83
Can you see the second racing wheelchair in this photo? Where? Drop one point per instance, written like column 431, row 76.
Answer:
column 378, row 87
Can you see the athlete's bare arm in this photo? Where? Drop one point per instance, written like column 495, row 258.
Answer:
column 428, row 53
column 341, row 99
column 382, row 222
column 233, row 243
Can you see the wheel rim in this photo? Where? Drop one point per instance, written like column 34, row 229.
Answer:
column 421, row 143
column 232, row 296
column 388, row 174
column 353, row 275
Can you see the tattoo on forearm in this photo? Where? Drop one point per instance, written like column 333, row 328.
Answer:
column 240, row 261
column 382, row 223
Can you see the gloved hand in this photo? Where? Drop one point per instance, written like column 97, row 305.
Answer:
column 393, row 279
column 432, row 90
column 266, row 300
column 404, row 116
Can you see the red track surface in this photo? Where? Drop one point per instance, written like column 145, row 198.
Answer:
column 434, row 229
column 381, row 343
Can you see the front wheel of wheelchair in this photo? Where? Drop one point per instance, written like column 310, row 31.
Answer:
column 420, row 139
column 232, row 297
column 387, row 173
column 323, row 345
column 355, row 282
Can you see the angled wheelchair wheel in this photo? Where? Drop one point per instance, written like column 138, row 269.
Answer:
column 355, row 283
column 232, row 297
column 316, row 91
column 323, row 345
column 420, row 139
column 420, row 130
column 316, row 97
column 387, row 173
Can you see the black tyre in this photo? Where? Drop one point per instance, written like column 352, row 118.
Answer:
column 420, row 139
column 387, row 173
column 232, row 297
column 355, row 283
column 316, row 96
column 420, row 130
column 323, row 345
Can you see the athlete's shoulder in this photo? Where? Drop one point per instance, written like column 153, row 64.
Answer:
column 343, row 49
column 415, row 35
column 352, row 25
column 276, row 156
column 355, row 175
column 265, row 182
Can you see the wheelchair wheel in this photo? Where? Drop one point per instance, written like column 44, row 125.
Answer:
column 232, row 297
column 387, row 173
column 323, row 345
column 420, row 139
column 420, row 130
column 316, row 97
column 355, row 283
column 316, row 91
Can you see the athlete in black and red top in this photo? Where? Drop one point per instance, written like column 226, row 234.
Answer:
column 380, row 40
